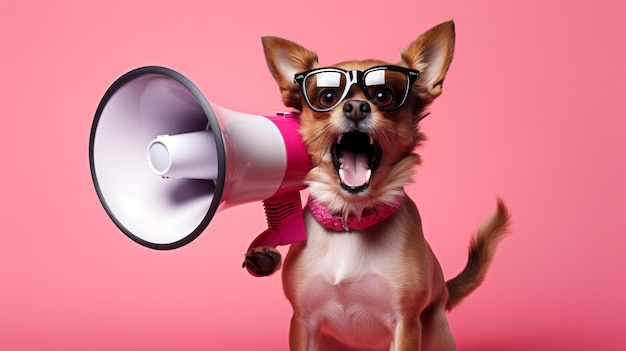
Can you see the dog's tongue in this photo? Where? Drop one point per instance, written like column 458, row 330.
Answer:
column 355, row 171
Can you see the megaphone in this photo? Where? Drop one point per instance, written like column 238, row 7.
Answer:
column 164, row 160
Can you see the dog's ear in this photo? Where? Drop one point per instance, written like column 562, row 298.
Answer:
column 431, row 54
column 284, row 59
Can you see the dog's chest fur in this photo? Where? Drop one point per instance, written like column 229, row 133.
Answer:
column 345, row 284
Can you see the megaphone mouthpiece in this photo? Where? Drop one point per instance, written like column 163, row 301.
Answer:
column 189, row 155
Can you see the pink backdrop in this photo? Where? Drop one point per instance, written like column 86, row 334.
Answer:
column 533, row 111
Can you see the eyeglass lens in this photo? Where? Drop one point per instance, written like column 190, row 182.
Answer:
column 386, row 88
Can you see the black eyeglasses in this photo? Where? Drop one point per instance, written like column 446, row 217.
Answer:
column 385, row 86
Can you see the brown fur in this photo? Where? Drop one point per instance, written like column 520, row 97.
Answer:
column 411, row 286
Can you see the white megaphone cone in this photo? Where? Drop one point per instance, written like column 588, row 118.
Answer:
column 163, row 160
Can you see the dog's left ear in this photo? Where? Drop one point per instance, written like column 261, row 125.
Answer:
column 431, row 54
column 284, row 59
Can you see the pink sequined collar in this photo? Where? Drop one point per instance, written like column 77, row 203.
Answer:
column 369, row 218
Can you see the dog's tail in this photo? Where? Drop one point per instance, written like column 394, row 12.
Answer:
column 481, row 251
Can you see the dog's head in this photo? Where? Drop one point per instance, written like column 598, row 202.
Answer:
column 359, row 119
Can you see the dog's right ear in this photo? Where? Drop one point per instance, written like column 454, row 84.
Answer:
column 284, row 59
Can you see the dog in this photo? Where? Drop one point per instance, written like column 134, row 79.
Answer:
column 365, row 278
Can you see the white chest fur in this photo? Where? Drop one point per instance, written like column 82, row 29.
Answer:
column 346, row 291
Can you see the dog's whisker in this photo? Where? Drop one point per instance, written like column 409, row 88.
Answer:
column 395, row 132
column 325, row 150
column 422, row 116
column 392, row 131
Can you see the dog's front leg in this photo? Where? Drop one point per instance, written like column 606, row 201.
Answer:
column 301, row 338
column 407, row 335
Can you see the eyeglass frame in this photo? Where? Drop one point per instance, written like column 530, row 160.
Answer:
column 357, row 78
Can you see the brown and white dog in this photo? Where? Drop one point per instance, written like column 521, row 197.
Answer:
column 365, row 278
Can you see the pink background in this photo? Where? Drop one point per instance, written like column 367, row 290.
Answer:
column 533, row 110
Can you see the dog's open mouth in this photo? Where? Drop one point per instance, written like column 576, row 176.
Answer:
column 356, row 156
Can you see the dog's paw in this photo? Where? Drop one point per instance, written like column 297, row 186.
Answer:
column 262, row 261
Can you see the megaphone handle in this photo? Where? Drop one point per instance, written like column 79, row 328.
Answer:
column 285, row 225
column 284, row 221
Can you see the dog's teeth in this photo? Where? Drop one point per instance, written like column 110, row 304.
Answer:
column 339, row 139
column 371, row 140
column 341, row 174
column 368, row 175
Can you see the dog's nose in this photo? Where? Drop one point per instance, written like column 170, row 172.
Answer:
column 356, row 110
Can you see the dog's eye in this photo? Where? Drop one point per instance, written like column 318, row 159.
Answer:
column 329, row 97
column 382, row 97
